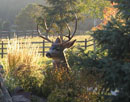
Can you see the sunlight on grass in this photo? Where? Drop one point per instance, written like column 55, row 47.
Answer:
column 26, row 52
column 23, row 64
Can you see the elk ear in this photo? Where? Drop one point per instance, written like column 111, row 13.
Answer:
column 58, row 40
column 69, row 44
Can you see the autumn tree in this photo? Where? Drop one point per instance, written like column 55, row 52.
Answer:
column 94, row 8
column 108, row 13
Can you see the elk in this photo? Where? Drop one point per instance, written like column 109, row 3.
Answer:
column 57, row 48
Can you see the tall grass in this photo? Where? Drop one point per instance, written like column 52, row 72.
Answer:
column 22, row 53
column 24, row 66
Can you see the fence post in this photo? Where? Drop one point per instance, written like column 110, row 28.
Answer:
column 2, row 49
column 85, row 43
column 43, row 48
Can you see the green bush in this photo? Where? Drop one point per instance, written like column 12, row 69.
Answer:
column 79, row 59
column 64, row 95
column 114, row 38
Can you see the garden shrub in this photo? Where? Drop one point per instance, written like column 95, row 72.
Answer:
column 111, row 74
column 64, row 95
column 24, row 67
column 78, row 58
column 54, row 78
column 75, row 86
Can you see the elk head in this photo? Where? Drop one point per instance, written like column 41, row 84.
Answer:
column 57, row 48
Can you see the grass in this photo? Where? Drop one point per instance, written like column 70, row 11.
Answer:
column 23, row 64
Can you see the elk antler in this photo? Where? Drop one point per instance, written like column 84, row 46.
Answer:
column 46, row 29
column 69, row 29
column 69, row 35
column 43, row 36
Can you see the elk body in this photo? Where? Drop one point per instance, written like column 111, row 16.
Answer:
column 57, row 48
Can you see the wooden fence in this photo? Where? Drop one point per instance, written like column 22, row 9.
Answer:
column 12, row 34
column 44, row 47
column 25, row 34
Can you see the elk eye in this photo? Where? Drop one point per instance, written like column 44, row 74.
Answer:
column 57, row 49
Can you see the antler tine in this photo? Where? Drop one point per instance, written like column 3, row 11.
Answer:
column 69, row 29
column 43, row 36
column 46, row 27
column 45, row 24
column 70, row 37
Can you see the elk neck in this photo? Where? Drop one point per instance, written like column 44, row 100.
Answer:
column 61, row 62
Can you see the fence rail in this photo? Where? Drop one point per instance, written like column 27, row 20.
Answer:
column 44, row 46
column 12, row 34
column 25, row 33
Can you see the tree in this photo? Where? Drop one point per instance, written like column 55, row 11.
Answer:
column 108, row 12
column 57, row 14
column 114, row 40
column 8, row 11
column 94, row 8
column 5, row 26
column 25, row 20
column 0, row 24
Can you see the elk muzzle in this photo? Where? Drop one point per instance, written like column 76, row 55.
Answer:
column 48, row 55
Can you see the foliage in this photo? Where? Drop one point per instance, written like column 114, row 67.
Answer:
column 10, row 8
column 25, row 20
column 78, row 59
column 124, row 7
column 108, row 13
column 23, row 67
column 70, row 87
column 114, row 39
column 4, row 25
column 54, row 79
column 57, row 13
column 94, row 8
